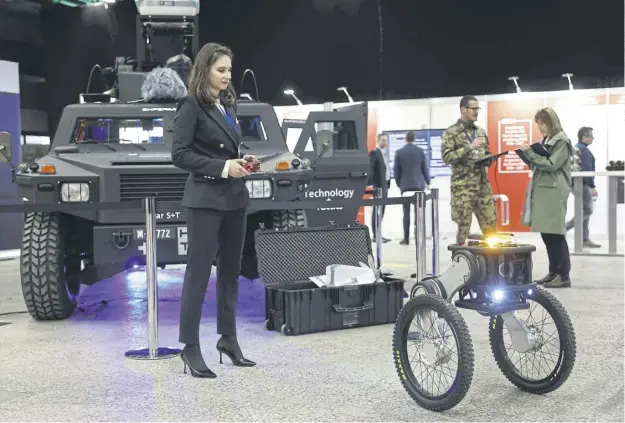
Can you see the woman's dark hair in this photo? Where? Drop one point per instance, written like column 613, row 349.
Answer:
column 549, row 117
column 199, row 77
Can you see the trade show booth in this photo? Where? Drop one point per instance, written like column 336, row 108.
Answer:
column 509, row 121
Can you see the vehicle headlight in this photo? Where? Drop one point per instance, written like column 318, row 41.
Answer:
column 75, row 192
column 259, row 189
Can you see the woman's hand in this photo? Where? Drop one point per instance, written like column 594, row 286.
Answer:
column 250, row 158
column 524, row 147
column 236, row 169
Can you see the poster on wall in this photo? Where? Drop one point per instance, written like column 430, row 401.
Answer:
column 437, row 165
column 511, row 134
column 510, row 123
column 430, row 140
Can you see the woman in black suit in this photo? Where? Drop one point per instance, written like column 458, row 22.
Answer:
column 207, row 144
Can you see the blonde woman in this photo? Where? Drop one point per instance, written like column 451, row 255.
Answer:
column 547, row 194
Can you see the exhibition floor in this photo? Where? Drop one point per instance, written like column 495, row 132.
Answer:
column 75, row 370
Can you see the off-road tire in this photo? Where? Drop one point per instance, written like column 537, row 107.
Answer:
column 42, row 268
column 464, row 374
column 568, row 347
column 285, row 219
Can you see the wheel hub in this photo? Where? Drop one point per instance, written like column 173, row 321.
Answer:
column 443, row 352
column 535, row 338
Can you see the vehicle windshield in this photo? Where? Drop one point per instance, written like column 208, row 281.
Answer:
column 146, row 130
column 118, row 131
column 252, row 128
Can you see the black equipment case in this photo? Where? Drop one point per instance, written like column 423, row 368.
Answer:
column 294, row 305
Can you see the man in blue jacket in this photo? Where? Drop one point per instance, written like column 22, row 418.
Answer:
column 411, row 173
column 589, row 192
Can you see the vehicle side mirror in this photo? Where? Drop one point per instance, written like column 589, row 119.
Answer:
column 5, row 147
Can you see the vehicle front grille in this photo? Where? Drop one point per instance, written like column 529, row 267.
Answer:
column 164, row 186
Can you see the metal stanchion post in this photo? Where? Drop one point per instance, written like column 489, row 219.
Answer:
column 420, row 234
column 423, row 243
column 578, row 208
column 378, row 228
column 612, row 206
column 152, row 352
column 435, row 234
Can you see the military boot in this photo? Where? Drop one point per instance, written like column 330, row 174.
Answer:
column 559, row 282
column 550, row 276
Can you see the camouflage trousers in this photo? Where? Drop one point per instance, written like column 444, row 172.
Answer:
column 466, row 202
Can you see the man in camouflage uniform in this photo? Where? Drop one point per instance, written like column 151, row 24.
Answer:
column 464, row 143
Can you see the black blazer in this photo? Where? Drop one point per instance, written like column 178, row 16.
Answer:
column 377, row 172
column 411, row 169
column 203, row 141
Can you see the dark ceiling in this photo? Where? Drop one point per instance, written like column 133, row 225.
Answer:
column 454, row 45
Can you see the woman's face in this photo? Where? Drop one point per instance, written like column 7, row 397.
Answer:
column 220, row 74
column 542, row 127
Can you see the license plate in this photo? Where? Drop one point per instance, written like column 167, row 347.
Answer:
column 165, row 233
column 179, row 233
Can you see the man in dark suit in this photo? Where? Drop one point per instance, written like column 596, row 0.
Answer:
column 412, row 173
column 379, row 177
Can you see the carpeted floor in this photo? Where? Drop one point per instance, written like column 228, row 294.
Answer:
column 75, row 370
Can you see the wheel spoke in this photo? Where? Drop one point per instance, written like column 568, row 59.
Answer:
column 546, row 365
column 433, row 352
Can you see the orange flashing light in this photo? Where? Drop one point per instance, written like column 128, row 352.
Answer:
column 282, row 165
column 47, row 169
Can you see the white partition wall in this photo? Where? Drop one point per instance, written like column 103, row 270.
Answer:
column 603, row 110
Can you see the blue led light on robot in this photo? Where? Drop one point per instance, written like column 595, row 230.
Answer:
column 498, row 295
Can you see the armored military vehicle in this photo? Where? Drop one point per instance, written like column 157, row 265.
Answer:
column 120, row 152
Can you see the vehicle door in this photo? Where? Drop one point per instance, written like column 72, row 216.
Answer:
column 335, row 142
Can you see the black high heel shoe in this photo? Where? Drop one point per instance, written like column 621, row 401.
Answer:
column 206, row 373
column 232, row 350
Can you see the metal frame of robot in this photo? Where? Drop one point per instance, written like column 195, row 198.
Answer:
column 470, row 276
column 148, row 206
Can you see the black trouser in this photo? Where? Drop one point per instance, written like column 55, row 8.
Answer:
column 374, row 215
column 587, row 206
column 407, row 208
column 211, row 233
column 558, row 252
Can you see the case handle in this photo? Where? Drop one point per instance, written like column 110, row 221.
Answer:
column 366, row 305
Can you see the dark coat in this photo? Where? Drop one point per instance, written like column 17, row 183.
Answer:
column 377, row 169
column 410, row 168
column 203, row 140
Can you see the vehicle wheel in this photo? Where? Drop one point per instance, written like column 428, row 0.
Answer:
column 284, row 219
column 286, row 330
column 48, row 292
column 454, row 339
column 542, row 377
column 268, row 325
column 430, row 285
